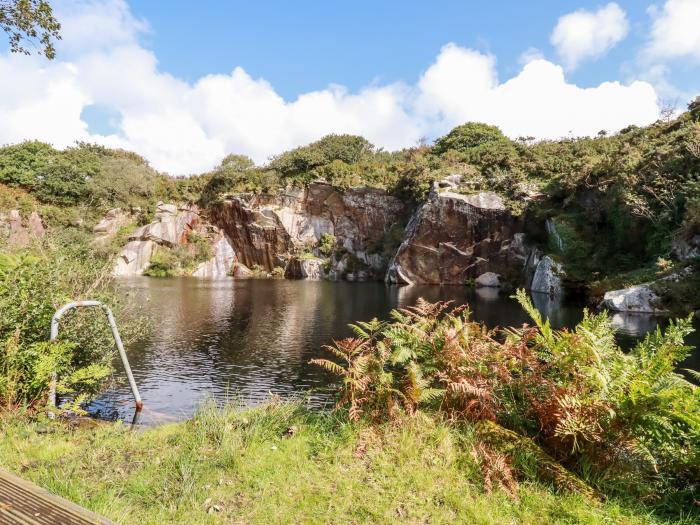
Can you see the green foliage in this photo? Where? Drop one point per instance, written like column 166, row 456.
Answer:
column 34, row 282
column 628, row 422
column 182, row 259
column 305, row 163
column 30, row 22
column 326, row 244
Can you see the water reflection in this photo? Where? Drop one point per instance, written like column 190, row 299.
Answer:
column 246, row 339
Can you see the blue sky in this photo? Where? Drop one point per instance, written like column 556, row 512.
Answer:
column 304, row 45
column 185, row 83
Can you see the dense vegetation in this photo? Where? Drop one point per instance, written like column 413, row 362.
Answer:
column 438, row 406
column 35, row 280
column 627, row 423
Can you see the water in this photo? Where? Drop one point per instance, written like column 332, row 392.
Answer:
column 247, row 339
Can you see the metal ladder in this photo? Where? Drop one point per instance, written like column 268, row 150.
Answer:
column 117, row 339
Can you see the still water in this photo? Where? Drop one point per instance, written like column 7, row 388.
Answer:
column 246, row 339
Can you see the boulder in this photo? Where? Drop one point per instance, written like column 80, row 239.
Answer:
column 19, row 231
column 635, row 299
column 488, row 280
column 309, row 269
column 110, row 224
column 454, row 237
column 686, row 248
column 547, row 277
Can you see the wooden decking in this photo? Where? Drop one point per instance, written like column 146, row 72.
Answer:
column 23, row 503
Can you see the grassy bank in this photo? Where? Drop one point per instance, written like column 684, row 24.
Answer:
column 284, row 464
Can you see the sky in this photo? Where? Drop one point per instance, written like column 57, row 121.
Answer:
column 185, row 83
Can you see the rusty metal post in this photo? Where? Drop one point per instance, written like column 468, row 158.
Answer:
column 117, row 339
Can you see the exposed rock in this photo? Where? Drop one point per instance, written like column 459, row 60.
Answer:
column 35, row 225
column 110, row 224
column 134, row 258
column 547, row 277
column 18, row 231
column 488, row 280
column 222, row 262
column 171, row 228
column 266, row 230
column 684, row 248
column 310, row 269
column 636, row 299
column 453, row 237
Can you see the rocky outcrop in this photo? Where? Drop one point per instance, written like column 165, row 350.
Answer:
column 488, row 280
column 221, row 264
column 112, row 222
column 268, row 230
column 686, row 248
column 309, row 269
column 548, row 277
column 453, row 237
column 19, row 230
column 636, row 299
column 172, row 227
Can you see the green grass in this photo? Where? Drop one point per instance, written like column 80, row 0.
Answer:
column 234, row 466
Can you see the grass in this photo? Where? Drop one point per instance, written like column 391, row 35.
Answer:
column 281, row 463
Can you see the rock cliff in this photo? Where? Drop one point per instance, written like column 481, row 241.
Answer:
column 171, row 228
column 455, row 237
column 268, row 231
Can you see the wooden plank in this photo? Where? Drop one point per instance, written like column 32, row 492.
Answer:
column 24, row 503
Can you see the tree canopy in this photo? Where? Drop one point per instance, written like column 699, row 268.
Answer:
column 30, row 24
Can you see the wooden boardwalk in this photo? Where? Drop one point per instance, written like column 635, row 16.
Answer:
column 23, row 503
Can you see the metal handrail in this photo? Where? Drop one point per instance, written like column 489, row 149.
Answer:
column 117, row 339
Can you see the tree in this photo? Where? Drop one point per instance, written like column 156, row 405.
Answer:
column 30, row 22
column 467, row 137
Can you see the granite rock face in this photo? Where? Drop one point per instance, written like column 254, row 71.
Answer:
column 548, row 277
column 221, row 264
column 19, row 230
column 636, row 299
column 488, row 280
column 267, row 231
column 171, row 228
column 309, row 269
column 453, row 237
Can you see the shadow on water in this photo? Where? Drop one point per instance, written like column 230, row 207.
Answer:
column 246, row 339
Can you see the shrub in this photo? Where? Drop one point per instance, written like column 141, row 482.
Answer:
column 627, row 421
column 34, row 282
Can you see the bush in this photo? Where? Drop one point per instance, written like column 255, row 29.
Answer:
column 34, row 282
column 628, row 422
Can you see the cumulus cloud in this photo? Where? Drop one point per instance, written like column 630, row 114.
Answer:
column 183, row 127
column 585, row 35
column 675, row 32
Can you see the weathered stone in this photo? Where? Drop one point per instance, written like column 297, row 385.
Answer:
column 636, row 299
column 221, row 264
column 547, row 278
column 18, row 231
column 488, row 280
column 171, row 228
column 453, row 237
column 134, row 258
column 111, row 223
column 35, row 225
column 554, row 238
column 265, row 230
column 309, row 269
column 686, row 248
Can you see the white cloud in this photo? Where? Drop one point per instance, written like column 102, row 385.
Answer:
column 585, row 35
column 186, row 127
column 675, row 32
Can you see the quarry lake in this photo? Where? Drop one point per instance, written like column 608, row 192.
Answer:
column 247, row 339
